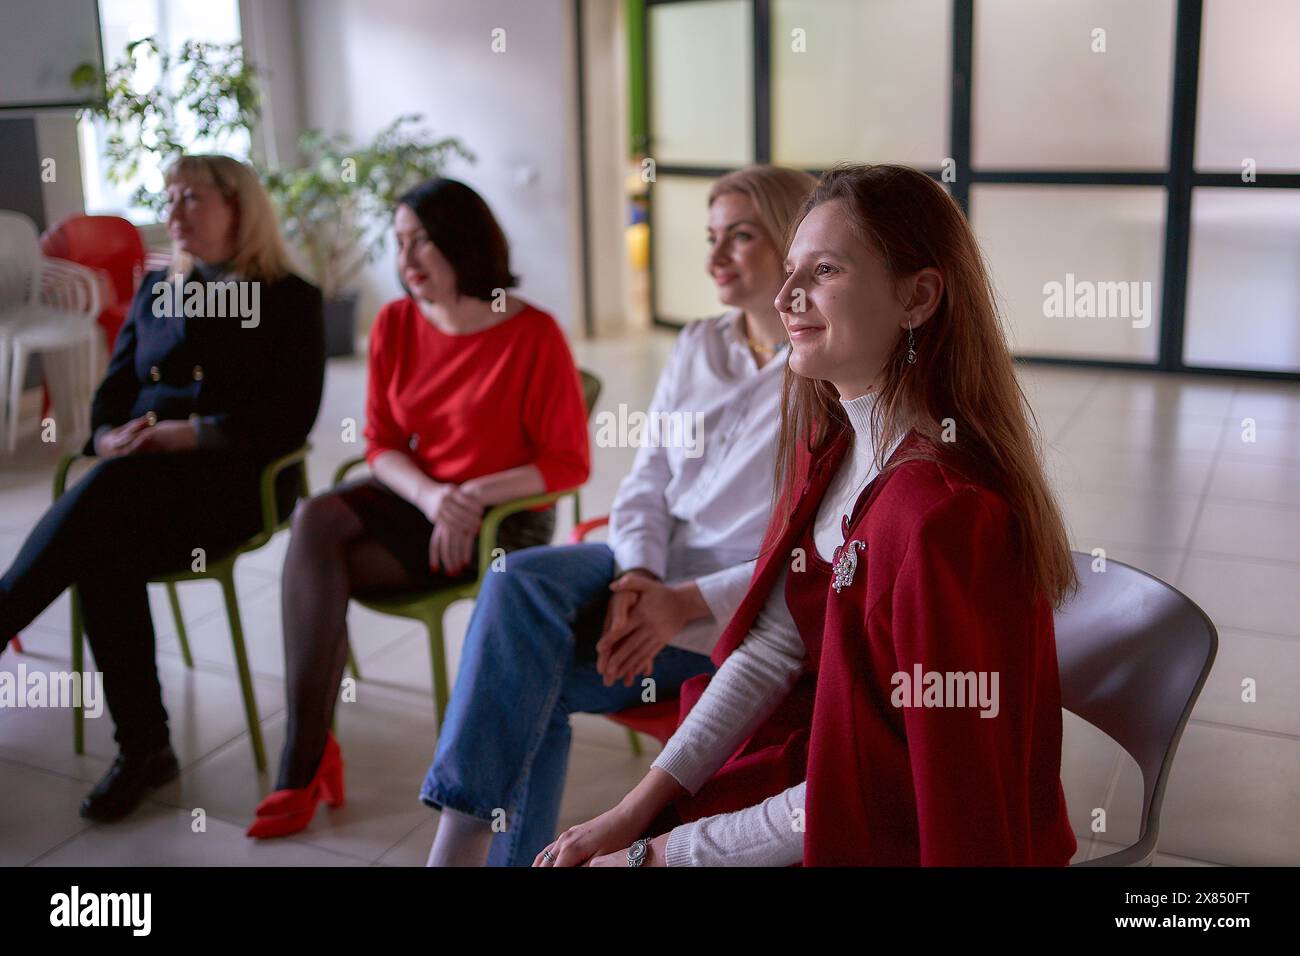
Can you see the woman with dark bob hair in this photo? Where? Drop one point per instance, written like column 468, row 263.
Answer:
column 473, row 399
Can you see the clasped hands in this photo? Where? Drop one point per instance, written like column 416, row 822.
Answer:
column 456, row 513
column 138, row 436
column 644, row 615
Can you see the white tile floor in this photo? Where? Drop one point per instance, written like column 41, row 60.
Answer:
column 1154, row 469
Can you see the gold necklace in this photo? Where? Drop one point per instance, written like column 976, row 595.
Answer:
column 761, row 349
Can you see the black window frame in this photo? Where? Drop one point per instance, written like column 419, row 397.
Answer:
column 1179, row 179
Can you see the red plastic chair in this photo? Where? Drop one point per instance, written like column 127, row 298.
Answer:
column 659, row 719
column 107, row 243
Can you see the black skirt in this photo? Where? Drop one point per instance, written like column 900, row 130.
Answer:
column 405, row 531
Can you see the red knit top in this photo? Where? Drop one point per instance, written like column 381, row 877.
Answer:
column 468, row 405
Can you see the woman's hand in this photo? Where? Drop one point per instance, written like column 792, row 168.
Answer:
column 447, row 505
column 117, row 442
column 656, row 616
column 614, row 828
column 164, row 437
column 450, row 550
column 655, row 854
column 619, row 611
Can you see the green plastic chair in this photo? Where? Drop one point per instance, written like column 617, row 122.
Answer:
column 428, row 607
column 222, row 570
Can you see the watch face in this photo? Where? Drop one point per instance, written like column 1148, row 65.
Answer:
column 636, row 853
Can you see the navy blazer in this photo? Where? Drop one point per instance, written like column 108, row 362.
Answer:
column 254, row 389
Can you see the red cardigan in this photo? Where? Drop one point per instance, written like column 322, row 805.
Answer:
column 468, row 405
column 937, row 586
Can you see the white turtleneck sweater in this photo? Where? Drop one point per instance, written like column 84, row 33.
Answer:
column 748, row 687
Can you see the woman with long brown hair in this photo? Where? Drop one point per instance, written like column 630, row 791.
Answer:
column 888, row 691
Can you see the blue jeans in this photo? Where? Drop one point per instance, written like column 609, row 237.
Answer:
column 504, row 745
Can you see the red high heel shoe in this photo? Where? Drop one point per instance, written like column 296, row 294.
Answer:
column 288, row 811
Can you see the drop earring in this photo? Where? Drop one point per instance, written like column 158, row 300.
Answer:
column 911, row 350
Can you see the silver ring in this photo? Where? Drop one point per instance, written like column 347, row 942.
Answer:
column 546, row 855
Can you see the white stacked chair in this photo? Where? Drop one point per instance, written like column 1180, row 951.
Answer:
column 48, row 307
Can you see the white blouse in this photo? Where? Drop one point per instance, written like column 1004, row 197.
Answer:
column 698, row 509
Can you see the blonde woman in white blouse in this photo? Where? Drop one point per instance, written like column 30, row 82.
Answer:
column 572, row 629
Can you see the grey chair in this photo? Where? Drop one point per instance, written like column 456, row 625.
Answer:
column 1134, row 654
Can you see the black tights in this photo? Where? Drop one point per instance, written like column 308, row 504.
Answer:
column 332, row 556
column 329, row 559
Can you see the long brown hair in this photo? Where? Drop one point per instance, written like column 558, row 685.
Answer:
column 963, row 384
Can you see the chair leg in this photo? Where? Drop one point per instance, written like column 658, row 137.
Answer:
column 634, row 742
column 61, row 397
column 179, row 618
column 241, row 662
column 17, row 372
column 438, row 658
column 78, row 667
column 89, row 378
column 63, row 387
column 4, row 391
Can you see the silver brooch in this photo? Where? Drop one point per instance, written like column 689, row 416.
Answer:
column 846, row 564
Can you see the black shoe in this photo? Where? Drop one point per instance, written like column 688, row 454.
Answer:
column 126, row 784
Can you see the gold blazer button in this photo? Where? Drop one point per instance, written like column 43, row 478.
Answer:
column 155, row 374
column 151, row 418
column 198, row 373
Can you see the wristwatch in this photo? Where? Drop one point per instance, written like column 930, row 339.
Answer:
column 636, row 853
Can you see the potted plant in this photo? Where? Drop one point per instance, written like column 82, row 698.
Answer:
column 335, row 207
column 205, row 93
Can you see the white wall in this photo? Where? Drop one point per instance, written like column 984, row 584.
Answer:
column 40, row 45
column 364, row 62
column 270, row 41
column 605, row 47
column 56, row 138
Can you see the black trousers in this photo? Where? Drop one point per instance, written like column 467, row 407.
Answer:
column 128, row 520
